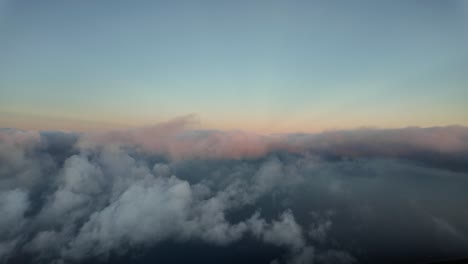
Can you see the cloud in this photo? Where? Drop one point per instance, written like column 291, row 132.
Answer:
column 438, row 146
column 148, row 211
column 284, row 232
column 323, row 198
column 13, row 205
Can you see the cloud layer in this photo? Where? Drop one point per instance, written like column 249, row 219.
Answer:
column 334, row 197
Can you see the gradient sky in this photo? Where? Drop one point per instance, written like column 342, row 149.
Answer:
column 269, row 66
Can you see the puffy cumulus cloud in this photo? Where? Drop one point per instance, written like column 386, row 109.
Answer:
column 13, row 205
column 103, row 200
column 334, row 197
column 78, row 190
column 19, row 164
column 284, row 232
column 148, row 211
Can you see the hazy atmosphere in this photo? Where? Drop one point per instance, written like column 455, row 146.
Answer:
column 233, row 131
column 264, row 66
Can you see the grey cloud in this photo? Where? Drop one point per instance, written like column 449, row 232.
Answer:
column 320, row 227
column 147, row 210
column 106, row 200
column 13, row 205
column 91, row 195
column 284, row 232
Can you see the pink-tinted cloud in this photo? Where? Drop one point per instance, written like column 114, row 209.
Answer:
column 179, row 140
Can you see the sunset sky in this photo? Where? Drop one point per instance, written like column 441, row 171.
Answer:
column 242, row 131
column 264, row 66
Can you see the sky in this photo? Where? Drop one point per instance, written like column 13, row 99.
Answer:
column 263, row 66
column 281, row 132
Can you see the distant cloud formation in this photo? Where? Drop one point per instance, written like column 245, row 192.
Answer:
column 176, row 140
column 334, row 197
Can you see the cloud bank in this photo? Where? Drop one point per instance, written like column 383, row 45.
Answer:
column 357, row 196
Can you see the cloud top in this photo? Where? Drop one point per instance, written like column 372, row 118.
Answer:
column 71, row 197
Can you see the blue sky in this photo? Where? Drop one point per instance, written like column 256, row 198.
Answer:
column 257, row 65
